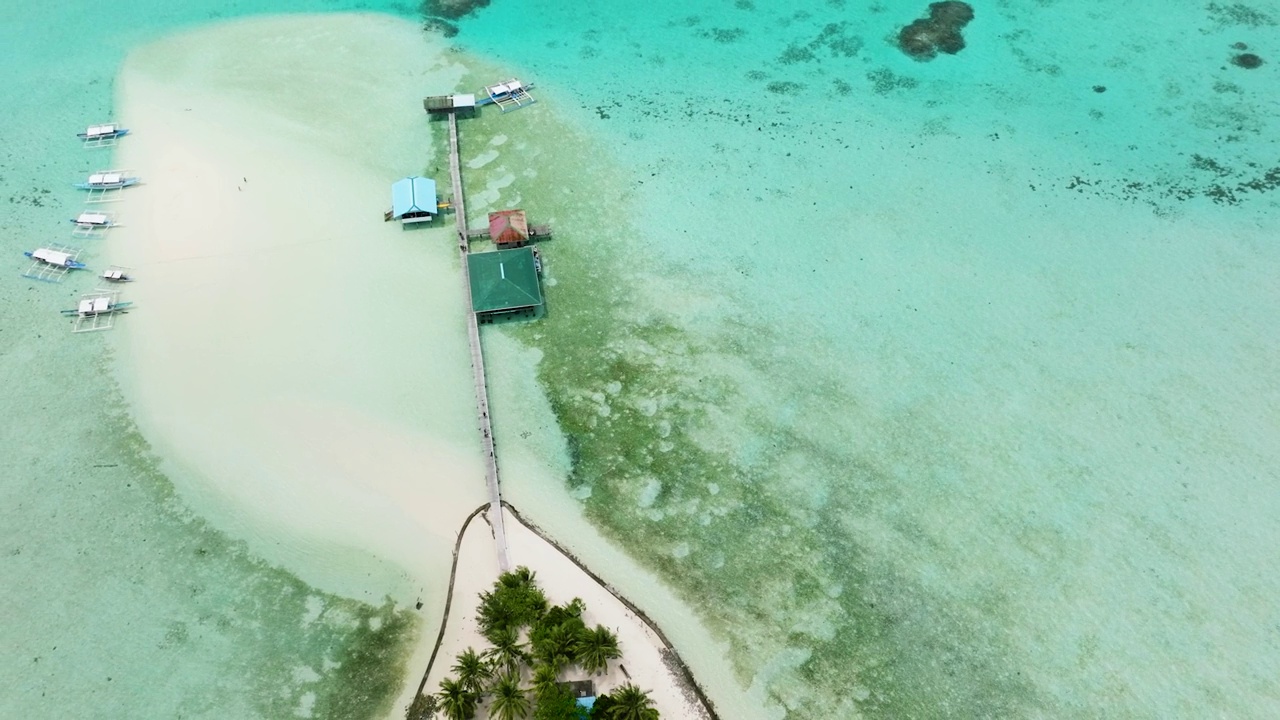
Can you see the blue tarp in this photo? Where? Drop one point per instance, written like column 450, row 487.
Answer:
column 413, row 195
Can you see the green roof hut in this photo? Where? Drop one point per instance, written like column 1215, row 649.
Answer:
column 504, row 283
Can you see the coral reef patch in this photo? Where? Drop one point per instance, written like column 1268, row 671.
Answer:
column 1206, row 178
column 1238, row 14
column 1248, row 61
column 885, row 81
column 923, row 39
column 451, row 9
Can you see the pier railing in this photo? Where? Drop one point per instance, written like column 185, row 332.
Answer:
column 477, row 356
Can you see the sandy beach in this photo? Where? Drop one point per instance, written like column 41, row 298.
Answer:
column 642, row 650
column 300, row 365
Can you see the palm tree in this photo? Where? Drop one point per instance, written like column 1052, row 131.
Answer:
column 545, row 678
column 494, row 613
column 556, row 647
column 509, row 700
column 472, row 671
column 456, row 701
column 521, row 577
column 595, row 648
column 507, row 652
column 631, row 703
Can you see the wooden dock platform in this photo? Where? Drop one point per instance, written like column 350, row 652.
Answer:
column 477, row 357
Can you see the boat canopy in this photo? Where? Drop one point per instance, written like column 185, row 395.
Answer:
column 413, row 195
column 506, row 88
column 110, row 178
column 91, row 218
column 95, row 130
column 94, row 305
column 53, row 257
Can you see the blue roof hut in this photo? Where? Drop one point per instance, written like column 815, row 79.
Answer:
column 413, row 200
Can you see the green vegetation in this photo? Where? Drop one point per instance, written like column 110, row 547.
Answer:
column 509, row 699
column 530, row 639
column 457, row 702
column 595, row 648
column 626, row 703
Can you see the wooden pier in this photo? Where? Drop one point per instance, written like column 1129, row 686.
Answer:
column 477, row 356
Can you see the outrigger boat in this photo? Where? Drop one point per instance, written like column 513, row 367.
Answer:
column 57, row 258
column 116, row 274
column 108, row 180
column 99, row 305
column 106, row 131
column 97, row 311
column 93, row 220
column 510, row 95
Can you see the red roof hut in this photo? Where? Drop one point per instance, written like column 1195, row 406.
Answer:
column 509, row 228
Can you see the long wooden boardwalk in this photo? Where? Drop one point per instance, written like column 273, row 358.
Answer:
column 477, row 356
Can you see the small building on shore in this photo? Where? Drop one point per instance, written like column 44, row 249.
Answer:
column 583, row 692
column 504, row 283
column 413, row 200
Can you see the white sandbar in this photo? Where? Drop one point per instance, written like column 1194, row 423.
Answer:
column 300, row 366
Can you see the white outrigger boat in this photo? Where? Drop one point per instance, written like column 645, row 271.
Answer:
column 91, row 224
column 102, row 134
column 93, row 220
column 117, row 274
column 509, row 95
column 98, row 304
column 57, row 258
column 108, row 180
column 97, row 311
column 52, row 263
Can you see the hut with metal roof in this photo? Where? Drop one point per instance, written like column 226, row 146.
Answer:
column 441, row 104
column 504, row 283
column 413, row 200
column 509, row 228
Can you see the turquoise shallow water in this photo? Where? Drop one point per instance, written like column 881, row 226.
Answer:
column 938, row 389
column 119, row 602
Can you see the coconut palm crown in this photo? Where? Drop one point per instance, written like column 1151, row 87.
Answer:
column 472, row 671
column 456, row 701
column 631, row 703
column 595, row 648
column 509, row 699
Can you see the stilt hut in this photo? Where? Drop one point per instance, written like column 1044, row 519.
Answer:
column 509, row 228
column 441, row 104
column 504, row 283
column 413, row 200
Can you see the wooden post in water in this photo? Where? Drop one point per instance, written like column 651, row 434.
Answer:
column 477, row 356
